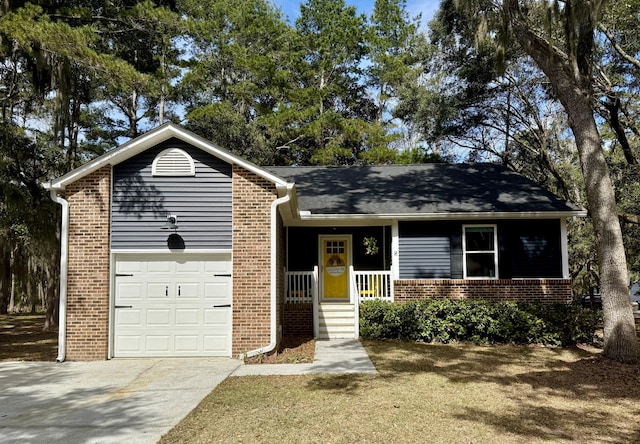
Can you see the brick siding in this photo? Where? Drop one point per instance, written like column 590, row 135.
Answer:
column 88, row 278
column 252, row 199
column 524, row 290
column 298, row 320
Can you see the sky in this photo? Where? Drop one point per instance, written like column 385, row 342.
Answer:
column 291, row 8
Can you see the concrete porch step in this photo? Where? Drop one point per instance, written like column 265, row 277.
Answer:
column 336, row 321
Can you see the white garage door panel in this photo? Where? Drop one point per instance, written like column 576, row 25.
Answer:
column 132, row 290
column 159, row 317
column 186, row 344
column 219, row 267
column 216, row 317
column 128, row 343
column 187, row 317
column 129, row 267
column 188, row 267
column 164, row 305
column 128, row 318
column 212, row 343
column 158, row 266
column 158, row 343
column 158, row 290
column 217, row 290
column 189, row 290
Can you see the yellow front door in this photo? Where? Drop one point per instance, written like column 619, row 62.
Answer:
column 335, row 260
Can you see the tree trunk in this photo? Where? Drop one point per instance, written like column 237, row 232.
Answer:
column 619, row 326
column 5, row 278
column 570, row 77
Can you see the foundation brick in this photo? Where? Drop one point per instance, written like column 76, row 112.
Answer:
column 548, row 291
column 298, row 320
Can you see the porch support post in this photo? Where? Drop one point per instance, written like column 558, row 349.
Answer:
column 564, row 248
column 355, row 300
column 395, row 252
column 316, row 301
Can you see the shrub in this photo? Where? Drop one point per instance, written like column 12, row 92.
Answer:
column 478, row 321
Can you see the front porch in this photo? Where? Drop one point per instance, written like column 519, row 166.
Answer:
column 329, row 271
column 307, row 312
column 310, row 312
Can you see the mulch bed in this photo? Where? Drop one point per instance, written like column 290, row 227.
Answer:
column 292, row 350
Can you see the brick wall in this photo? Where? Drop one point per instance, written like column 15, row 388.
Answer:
column 88, row 278
column 252, row 198
column 525, row 290
column 298, row 320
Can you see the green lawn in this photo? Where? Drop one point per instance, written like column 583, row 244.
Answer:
column 431, row 393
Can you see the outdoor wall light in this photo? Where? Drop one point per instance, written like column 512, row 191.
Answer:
column 171, row 223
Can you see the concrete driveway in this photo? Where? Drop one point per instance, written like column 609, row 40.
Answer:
column 122, row 400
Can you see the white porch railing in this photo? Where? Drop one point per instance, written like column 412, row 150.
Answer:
column 301, row 286
column 373, row 285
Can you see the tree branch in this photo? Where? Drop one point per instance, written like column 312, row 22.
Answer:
column 629, row 58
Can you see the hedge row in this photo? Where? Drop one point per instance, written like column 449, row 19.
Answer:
column 441, row 320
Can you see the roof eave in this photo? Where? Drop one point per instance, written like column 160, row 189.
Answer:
column 307, row 216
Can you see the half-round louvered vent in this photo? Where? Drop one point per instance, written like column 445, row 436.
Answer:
column 173, row 162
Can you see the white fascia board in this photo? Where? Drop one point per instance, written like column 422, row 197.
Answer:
column 306, row 216
column 339, row 222
column 150, row 139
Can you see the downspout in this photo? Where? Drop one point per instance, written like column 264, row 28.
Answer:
column 274, row 275
column 64, row 254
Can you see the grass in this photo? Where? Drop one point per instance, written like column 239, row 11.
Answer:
column 457, row 393
column 22, row 338
column 431, row 393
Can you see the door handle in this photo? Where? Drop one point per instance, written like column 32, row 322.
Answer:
column 178, row 290
column 166, row 291
column 123, row 306
column 222, row 275
column 222, row 306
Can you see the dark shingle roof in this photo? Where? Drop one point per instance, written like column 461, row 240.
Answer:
column 418, row 189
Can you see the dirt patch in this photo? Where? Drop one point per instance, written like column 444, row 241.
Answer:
column 22, row 338
column 295, row 350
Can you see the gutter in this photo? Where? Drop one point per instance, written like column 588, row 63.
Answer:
column 64, row 255
column 274, row 270
column 308, row 216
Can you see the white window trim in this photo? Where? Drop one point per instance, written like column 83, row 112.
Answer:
column 495, row 250
column 154, row 165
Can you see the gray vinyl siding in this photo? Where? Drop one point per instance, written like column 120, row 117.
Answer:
column 425, row 250
column 141, row 202
column 425, row 257
column 526, row 249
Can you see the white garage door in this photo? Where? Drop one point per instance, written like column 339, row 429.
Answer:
column 172, row 305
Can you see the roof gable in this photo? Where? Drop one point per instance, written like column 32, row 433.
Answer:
column 151, row 139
